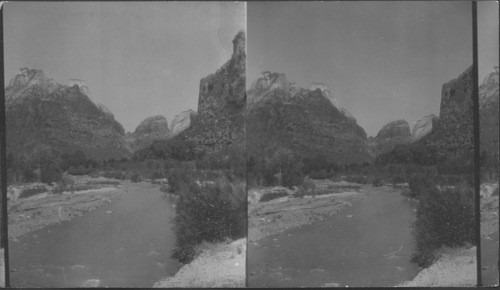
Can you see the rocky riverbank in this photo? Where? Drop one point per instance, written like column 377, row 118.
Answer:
column 48, row 207
column 287, row 212
column 218, row 266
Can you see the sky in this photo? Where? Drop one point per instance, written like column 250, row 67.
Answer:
column 382, row 61
column 487, row 37
column 138, row 59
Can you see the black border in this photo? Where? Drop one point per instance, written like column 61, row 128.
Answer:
column 3, row 160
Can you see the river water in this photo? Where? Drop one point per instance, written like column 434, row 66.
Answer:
column 124, row 243
column 368, row 244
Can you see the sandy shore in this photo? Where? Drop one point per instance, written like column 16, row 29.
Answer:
column 279, row 215
column 218, row 266
column 455, row 268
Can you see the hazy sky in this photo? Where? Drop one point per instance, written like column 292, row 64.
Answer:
column 487, row 26
column 138, row 59
column 383, row 61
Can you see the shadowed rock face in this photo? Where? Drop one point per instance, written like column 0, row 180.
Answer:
column 392, row 134
column 221, row 104
column 488, row 114
column 41, row 112
column 181, row 122
column 453, row 133
column 423, row 127
column 149, row 130
column 305, row 122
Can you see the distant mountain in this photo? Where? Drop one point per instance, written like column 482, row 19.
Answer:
column 488, row 114
column 392, row 134
column 149, row 130
column 453, row 134
column 182, row 122
column 41, row 112
column 283, row 116
column 220, row 120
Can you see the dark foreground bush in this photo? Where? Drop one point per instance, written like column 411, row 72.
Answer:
column 444, row 218
column 210, row 212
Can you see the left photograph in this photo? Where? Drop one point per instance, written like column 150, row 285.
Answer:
column 126, row 144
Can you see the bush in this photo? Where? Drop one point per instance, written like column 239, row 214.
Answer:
column 212, row 213
column 420, row 184
column 357, row 179
column 267, row 196
column 306, row 188
column 30, row 191
column 377, row 181
column 135, row 177
column 398, row 178
column 292, row 176
column 444, row 218
column 321, row 174
column 80, row 170
column 177, row 179
column 495, row 192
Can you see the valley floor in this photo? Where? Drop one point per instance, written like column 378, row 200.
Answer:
column 43, row 209
column 218, row 265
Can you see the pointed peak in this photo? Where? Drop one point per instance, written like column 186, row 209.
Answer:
column 239, row 43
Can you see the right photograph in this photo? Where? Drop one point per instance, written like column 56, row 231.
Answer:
column 487, row 22
column 360, row 146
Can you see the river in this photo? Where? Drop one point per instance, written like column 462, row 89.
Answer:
column 368, row 244
column 124, row 243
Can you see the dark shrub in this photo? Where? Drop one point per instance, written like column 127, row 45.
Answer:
column 357, row 179
column 267, row 196
column 377, row 181
column 80, row 170
column 292, row 176
column 177, row 178
column 156, row 175
column 444, row 218
column 420, row 184
column 398, row 178
column 495, row 192
column 135, row 177
column 212, row 213
column 27, row 192
column 320, row 174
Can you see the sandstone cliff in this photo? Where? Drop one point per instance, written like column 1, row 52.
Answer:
column 489, row 115
column 221, row 104
column 454, row 132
